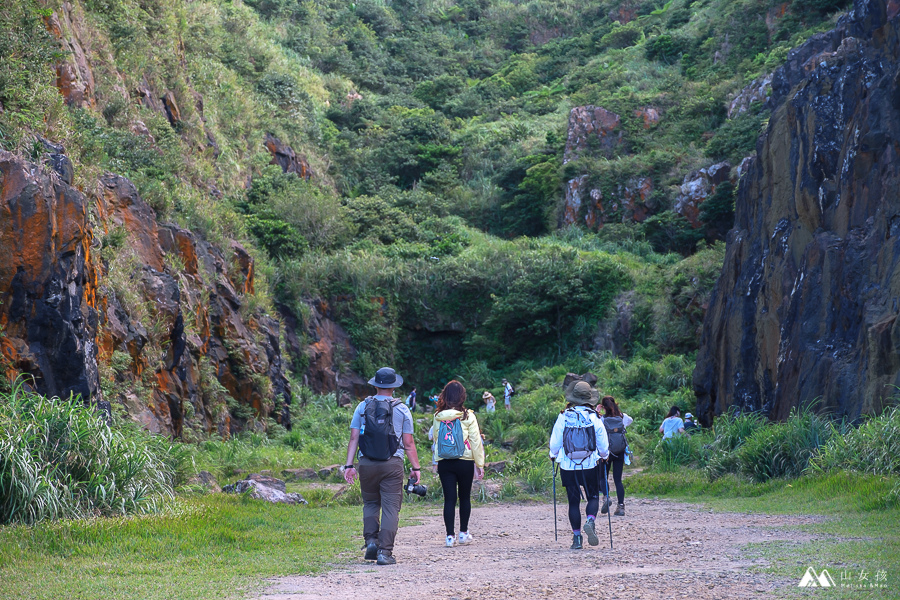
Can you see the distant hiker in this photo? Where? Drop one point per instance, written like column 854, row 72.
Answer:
column 382, row 429
column 490, row 403
column 615, row 422
column 578, row 443
column 411, row 401
column 689, row 423
column 460, row 457
column 508, row 393
column 672, row 424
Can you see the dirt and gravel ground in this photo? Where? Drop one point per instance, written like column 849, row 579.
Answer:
column 662, row 550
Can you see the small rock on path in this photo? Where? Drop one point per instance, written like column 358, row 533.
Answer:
column 662, row 550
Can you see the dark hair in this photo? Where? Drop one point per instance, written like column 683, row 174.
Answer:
column 610, row 408
column 674, row 411
column 453, row 396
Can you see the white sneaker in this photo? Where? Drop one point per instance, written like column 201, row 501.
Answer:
column 465, row 538
column 450, row 540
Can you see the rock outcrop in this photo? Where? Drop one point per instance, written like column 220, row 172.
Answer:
column 805, row 311
column 154, row 324
column 267, row 489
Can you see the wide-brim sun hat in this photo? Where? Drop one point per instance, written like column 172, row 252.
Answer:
column 385, row 378
column 581, row 392
column 486, row 395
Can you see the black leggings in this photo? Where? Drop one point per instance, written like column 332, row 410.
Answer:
column 615, row 465
column 456, row 472
column 576, row 481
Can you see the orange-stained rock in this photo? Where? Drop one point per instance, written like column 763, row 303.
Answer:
column 592, row 130
column 74, row 74
column 649, row 115
column 47, row 303
column 123, row 208
column 171, row 108
column 285, row 157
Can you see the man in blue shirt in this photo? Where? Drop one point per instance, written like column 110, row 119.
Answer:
column 381, row 481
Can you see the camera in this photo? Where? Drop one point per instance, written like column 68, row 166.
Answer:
column 418, row 490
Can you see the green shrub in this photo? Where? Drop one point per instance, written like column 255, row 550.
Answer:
column 676, row 452
column 783, row 449
column 873, row 447
column 59, row 459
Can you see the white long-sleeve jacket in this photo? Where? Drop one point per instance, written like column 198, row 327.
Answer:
column 556, row 439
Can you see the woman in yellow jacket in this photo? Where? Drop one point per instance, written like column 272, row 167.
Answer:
column 459, row 453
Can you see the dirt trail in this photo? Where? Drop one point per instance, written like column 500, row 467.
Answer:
column 662, row 550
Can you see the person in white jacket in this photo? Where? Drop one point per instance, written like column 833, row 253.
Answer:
column 578, row 443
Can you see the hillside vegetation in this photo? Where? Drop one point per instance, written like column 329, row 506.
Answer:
column 434, row 134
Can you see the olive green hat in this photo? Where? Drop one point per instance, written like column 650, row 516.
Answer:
column 581, row 392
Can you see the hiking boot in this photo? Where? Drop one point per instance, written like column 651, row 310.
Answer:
column 371, row 551
column 576, row 542
column 464, row 538
column 385, row 558
column 604, row 506
column 620, row 511
column 450, row 541
column 590, row 530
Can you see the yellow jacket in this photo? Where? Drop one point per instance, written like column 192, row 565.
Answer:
column 474, row 446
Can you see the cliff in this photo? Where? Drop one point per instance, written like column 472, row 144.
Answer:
column 145, row 320
column 805, row 311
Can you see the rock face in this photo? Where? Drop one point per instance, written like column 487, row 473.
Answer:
column 595, row 131
column 48, row 285
column 698, row 186
column 805, row 311
column 155, row 328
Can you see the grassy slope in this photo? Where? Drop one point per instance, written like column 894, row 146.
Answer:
column 208, row 547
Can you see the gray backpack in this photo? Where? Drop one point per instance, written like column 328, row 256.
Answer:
column 615, row 431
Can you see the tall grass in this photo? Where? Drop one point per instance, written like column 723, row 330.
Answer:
column 784, row 449
column 873, row 447
column 59, row 458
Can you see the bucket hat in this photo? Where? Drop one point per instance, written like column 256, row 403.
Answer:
column 581, row 392
column 386, row 377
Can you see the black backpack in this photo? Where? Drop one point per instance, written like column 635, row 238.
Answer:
column 579, row 438
column 615, row 431
column 377, row 438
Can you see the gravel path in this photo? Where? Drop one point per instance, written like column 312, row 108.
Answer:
column 662, row 550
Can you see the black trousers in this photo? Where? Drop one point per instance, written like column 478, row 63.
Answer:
column 456, row 474
column 587, row 480
column 615, row 466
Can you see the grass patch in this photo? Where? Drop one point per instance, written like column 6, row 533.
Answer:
column 211, row 547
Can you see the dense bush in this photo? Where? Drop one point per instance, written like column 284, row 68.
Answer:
column 59, row 458
column 873, row 447
column 783, row 449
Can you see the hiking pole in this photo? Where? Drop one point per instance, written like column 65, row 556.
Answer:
column 555, row 532
column 608, row 499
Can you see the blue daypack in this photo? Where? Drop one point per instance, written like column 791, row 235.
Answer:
column 451, row 443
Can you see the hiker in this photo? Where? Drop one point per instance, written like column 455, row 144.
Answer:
column 382, row 430
column 508, row 393
column 460, row 457
column 615, row 422
column 411, row 401
column 578, row 443
column 490, row 403
column 689, row 423
column 672, row 425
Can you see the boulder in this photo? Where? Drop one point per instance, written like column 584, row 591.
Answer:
column 265, row 490
column 300, row 474
column 326, row 472
column 206, row 480
column 496, row 467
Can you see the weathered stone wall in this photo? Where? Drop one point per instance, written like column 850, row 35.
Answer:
column 805, row 311
column 169, row 302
